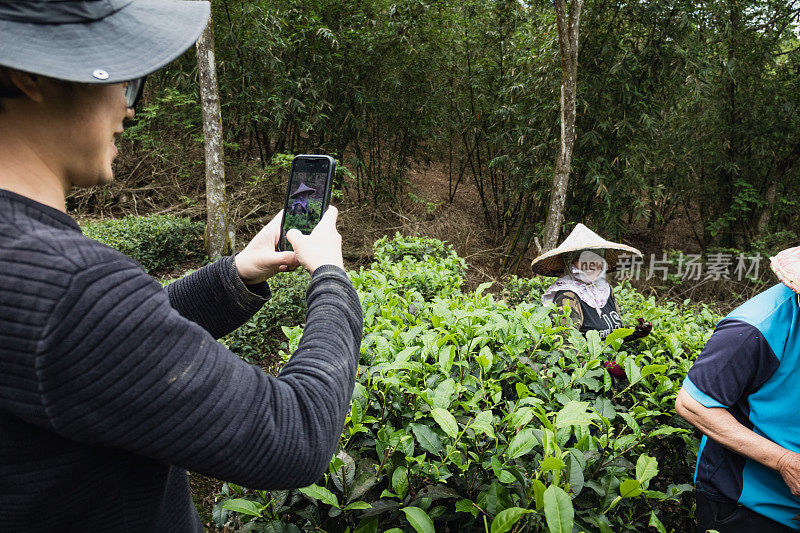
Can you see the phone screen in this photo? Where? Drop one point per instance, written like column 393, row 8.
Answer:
column 306, row 195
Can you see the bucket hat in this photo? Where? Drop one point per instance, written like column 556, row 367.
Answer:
column 553, row 263
column 786, row 265
column 97, row 41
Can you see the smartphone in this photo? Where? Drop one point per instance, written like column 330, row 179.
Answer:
column 307, row 195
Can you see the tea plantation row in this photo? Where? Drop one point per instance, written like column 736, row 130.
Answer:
column 471, row 412
column 478, row 413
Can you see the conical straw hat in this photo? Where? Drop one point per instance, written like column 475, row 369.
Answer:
column 786, row 266
column 552, row 263
column 301, row 189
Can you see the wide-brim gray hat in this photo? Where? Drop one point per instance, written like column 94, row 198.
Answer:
column 97, row 41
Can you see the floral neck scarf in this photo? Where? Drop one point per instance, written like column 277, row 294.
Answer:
column 591, row 287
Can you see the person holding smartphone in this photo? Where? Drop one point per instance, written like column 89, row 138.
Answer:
column 111, row 386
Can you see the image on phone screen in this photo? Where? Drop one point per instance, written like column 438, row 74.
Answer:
column 306, row 196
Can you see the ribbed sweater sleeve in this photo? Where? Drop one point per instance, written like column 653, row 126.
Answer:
column 216, row 298
column 117, row 365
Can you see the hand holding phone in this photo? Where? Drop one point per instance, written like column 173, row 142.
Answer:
column 322, row 247
column 260, row 260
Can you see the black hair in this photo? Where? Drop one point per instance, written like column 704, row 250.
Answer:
column 7, row 89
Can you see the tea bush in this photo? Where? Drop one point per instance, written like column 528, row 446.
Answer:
column 157, row 242
column 261, row 337
column 517, row 290
column 406, row 265
column 470, row 414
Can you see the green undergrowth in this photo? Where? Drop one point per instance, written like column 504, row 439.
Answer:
column 261, row 339
column 473, row 413
column 158, row 242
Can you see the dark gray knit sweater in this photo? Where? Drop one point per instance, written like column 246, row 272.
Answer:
column 111, row 387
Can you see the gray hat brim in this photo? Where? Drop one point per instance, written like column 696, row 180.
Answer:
column 135, row 41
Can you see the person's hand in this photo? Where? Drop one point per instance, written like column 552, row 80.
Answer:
column 640, row 330
column 259, row 260
column 789, row 469
column 322, row 247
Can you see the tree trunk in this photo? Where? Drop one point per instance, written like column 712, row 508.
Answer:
column 219, row 233
column 763, row 219
column 778, row 175
column 568, row 27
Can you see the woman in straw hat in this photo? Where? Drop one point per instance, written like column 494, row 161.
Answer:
column 581, row 262
column 111, row 386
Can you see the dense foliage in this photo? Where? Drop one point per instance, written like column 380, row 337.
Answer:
column 680, row 105
column 158, row 242
column 261, row 338
column 473, row 414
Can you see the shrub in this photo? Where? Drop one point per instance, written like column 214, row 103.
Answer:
column 420, row 248
column 406, row 265
column 470, row 413
column 517, row 290
column 157, row 242
column 260, row 339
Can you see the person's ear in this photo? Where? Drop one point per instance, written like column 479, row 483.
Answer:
column 28, row 84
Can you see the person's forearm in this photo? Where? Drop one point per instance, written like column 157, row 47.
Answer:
column 718, row 424
column 216, row 298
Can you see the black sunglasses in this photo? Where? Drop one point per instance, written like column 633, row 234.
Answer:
column 133, row 91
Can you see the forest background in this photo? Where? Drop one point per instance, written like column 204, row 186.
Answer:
column 687, row 116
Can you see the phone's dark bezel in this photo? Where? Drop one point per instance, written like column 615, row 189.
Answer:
column 326, row 199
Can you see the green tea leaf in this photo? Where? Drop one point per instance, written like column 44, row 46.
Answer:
column 495, row 499
column 438, row 492
column 605, row 408
column 483, row 423
column 538, row 492
column 367, row 525
column 558, row 510
column 400, row 481
column 593, row 344
column 630, row 488
column 485, row 359
column 443, row 394
column 656, row 523
column 522, row 443
column 242, row 506
column 551, row 463
column 506, row 519
column 646, row 469
column 574, row 414
column 362, row 483
column 356, row 412
column 466, row 506
column 446, row 421
column 320, row 493
column 482, row 287
column 631, row 370
column 575, row 474
column 653, row 369
column 447, row 354
column 427, row 438
column 521, row 417
column 419, row 520
column 358, row 506
column 669, row 430
column 619, row 333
